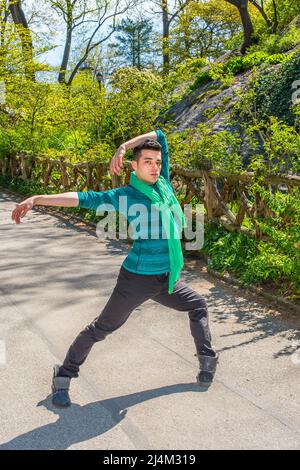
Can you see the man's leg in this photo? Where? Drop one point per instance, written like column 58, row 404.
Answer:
column 130, row 291
column 183, row 298
column 127, row 295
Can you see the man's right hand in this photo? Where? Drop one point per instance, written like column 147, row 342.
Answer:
column 22, row 209
column 116, row 162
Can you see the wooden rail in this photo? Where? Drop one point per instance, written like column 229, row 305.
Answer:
column 216, row 191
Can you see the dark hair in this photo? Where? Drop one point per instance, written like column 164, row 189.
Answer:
column 149, row 144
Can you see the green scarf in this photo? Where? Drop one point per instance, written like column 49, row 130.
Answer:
column 171, row 228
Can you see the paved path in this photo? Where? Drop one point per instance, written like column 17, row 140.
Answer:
column 137, row 389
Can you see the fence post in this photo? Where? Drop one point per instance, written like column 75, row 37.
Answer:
column 210, row 200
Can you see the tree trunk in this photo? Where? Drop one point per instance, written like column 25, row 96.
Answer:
column 4, row 16
column 242, row 6
column 138, row 49
column 24, row 32
column 66, row 56
column 166, row 32
column 263, row 13
column 76, row 68
column 187, row 44
column 247, row 25
column 275, row 20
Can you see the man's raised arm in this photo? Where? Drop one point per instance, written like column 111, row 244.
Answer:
column 117, row 160
column 165, row 169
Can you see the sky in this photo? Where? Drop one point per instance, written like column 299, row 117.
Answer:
column 54, row 56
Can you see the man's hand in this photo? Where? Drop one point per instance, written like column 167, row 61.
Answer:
column 116, row 162
column 22, row 209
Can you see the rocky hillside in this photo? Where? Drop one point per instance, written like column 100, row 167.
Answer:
column 212, row 103
column 196, row 107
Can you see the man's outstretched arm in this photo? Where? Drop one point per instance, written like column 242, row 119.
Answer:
column 108, row 200
column 69, row 199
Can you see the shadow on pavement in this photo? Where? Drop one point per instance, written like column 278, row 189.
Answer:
column 81, row 423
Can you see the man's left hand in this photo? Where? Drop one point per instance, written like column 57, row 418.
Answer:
column 116, row 162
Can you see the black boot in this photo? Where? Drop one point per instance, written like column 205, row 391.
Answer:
column 208, row 365
column 60, row 389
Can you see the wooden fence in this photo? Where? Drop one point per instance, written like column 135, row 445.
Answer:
column 215, row 191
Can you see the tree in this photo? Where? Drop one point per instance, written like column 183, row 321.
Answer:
column 133, row 43
column 133, row 104
column 4, row 13
column 24, row 32
column 259, row 5
column 168, row 16
column 80, row 15
column 202, row 30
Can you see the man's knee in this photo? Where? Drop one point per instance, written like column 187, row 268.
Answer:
column 99, row 330
column 199, row 311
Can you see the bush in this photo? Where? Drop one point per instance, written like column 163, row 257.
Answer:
column 236, row 65
column 201, row 79
column 252, row 261
column 275, row 43
column 274, row 90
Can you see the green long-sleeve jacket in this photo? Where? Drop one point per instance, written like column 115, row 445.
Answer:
column 149, row 253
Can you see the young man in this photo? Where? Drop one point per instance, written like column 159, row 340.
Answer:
column 152, row 268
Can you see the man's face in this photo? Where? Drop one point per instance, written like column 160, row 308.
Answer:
column 149, row 165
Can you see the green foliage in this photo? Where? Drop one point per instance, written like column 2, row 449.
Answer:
column 86, row 123
column 240, row 64
column 228, row 251
column 202, row 29
column 133, row 104
column 275, row 150
column 255, row 262
column 288, row 12
column 49, row 116
column 275, row 146
column 80, row 121
column 273, row 90
column 200, row 148
column 28, row 188
column 277, row 43
column 178, row 80
column 201, row 79
column 236, row 65
column 221, row 149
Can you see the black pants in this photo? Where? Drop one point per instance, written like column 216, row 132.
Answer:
column 131, row 291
